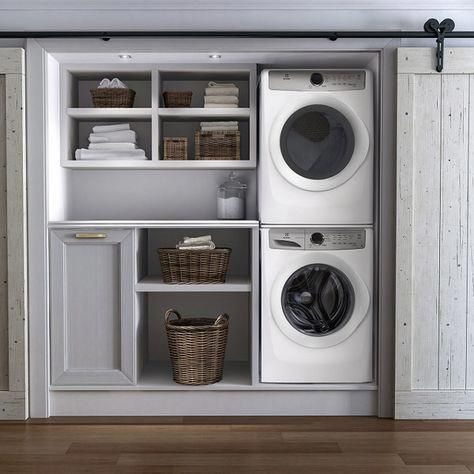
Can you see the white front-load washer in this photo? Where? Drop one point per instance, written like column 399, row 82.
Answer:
column 316, row 150
column 316, row 307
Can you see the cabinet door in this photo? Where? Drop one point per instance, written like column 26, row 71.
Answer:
column 92, row 316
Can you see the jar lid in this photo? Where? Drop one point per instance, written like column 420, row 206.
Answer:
column 232, row 183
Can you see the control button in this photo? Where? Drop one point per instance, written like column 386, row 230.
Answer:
column 316, row 78
column 317, row 238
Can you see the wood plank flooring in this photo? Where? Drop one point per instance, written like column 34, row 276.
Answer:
column 236, row 445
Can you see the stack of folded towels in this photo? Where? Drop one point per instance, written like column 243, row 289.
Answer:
column 221, row 95
column 203, row 242
column 111, row 142
column 219, row 126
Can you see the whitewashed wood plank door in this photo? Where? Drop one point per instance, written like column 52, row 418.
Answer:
column 435, row 235
column 13, row 286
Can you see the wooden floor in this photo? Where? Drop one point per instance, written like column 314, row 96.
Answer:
column 227, row 445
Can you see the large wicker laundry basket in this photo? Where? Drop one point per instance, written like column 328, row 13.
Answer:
column 197, row 347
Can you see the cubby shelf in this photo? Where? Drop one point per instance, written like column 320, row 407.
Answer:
column 160, row 164
column 196, row 112
column 151, row 284
column 89, row 113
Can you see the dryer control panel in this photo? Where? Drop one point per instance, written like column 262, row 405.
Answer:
column 317, row 239
column 316, row 80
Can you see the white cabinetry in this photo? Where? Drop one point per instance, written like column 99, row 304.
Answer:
column 92, row 314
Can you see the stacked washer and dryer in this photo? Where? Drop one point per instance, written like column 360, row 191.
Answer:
column 316, row 206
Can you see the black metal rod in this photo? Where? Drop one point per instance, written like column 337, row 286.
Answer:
column 331, row 35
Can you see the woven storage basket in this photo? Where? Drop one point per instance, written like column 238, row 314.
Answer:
column 216, row 145
column 177, row 98
column 175, row 148
column 194, row 266
column 113, row 97
column 197, row 347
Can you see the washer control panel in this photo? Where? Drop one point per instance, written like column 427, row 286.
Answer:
column 317, row 239
column 316, row 80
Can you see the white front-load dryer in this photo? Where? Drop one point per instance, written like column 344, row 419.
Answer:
column 316, row 147
column 316, row 307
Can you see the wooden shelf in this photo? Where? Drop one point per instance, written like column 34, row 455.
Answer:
column 160, row 164
column 109, row 113
column 188, row 113
column 156, row 224
column 151, row 284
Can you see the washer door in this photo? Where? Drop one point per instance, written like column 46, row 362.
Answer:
column 318, row 146
column 320, row 304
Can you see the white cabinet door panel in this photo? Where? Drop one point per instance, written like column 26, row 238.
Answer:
column 92, row 336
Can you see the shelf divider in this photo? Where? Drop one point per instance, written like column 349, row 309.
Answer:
column 154, row 284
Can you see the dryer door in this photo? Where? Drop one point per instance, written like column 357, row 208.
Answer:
column 320, row 145
column 320, row 304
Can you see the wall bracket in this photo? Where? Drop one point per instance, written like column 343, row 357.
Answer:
column 439, row 30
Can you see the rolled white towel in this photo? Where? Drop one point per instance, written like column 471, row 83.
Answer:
column 104, row 84
column 209, row 91
column 116, row 83
column 128, row 136
column 208, row 105
column 85, row 154
column 221, row 99
column 112, row 146
column 116, row 127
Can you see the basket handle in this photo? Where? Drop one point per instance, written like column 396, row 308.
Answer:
column 221, row 319
column 170, row 313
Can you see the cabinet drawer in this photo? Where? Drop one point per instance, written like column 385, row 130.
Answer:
column 92, row 310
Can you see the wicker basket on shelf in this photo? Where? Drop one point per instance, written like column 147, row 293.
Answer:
column 194, row 266
column 175, row 148
column 112, row 97
column 177, row 98
column 197, row 347
column 217, row 145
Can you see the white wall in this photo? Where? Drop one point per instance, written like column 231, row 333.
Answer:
column 230, row 14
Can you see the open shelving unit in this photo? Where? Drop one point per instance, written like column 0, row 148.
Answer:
column 150, row 118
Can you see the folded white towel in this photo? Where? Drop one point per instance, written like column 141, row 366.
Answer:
column 229, row 123
column 231, row 128
column 116, row 127
column 208, row 105
column 221, row 99
column 220, row 84
column 197, row 240
column 112, row 146
column 211, row 91
column 85, row 154
column 128, row 136
column 210, row 246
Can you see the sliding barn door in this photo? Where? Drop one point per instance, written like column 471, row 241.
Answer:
column 13, row 389
column 435, row 235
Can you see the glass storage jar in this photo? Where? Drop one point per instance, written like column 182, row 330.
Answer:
column 231, row 199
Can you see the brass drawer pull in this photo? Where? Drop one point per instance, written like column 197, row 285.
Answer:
column 91, row 235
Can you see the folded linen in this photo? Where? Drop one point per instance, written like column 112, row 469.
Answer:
column 221, row 99
column 221, row 91
column 197, row 240
column 220, row 84
column 203, row 242
column 229, row 123
column 116, row 127
column 210, row 246
column 112, row 146
column 85, row 154
column 208, row 105
column 231, row 128
column 120, row 136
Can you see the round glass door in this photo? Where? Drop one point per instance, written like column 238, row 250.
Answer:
column 317, row 142
column 317, row 300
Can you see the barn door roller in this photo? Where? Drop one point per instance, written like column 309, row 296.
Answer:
column 439, row 29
